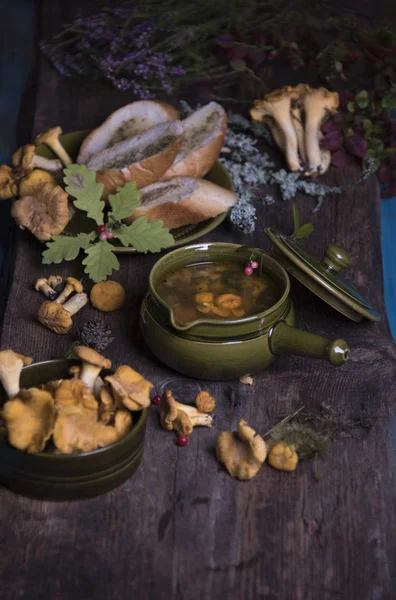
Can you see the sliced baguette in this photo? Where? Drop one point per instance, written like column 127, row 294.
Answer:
column 182, row 201
column 142, row 159
column 204, row 132
column 124, row 123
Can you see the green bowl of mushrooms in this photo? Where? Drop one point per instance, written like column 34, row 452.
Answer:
column 50, row 475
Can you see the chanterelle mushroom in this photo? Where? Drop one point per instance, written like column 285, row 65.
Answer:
column 92, row 364
column 318, row 104
column 30, row 419
column 11, row 365
column 130, row 388
column 45, row 213
column 58, row 317
column 181, row 418
column 72, row 285
column 74, row 392
column 24, row 160
column 205, row 402
column 277, row 105
column 29, row 185
column 242, row 452
column 8, row 184
column 51, row 139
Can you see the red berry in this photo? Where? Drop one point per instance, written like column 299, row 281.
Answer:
column 101, row 228
column 103, row 236
column 109, row 235
column 156, row 400
column 248, row 270
column 254, row 264
column 182, row 440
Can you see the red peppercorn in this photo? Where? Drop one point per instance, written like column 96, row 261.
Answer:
column 156, row 400
column 101, row 228
column 182, row 440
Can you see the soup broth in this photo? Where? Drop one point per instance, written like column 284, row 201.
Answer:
column 217, row 291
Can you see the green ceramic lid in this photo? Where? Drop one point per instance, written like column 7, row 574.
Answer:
column 322, row 276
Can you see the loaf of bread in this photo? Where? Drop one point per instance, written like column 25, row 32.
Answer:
column 142, row 159
column 182, row 201
column 126, row 122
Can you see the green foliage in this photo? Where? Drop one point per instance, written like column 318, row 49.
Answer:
column 82, row 185
column 307, row 442
column 124, row 201
column 144, row 235
column 300, row 231
column 63, row 247
column 100, row 261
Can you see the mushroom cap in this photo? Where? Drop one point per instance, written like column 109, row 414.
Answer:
column 8, row 186
column 77, row 285
column 283, row 457
column 8, row 359
column 107, row 296
column 49, row 134
column 30, row 419
column 319, row 102
column 129, row 387
column 74, row 392
column 29, row 185
column 168, row 410
column 275, row 104
column 243, row 452
column 92, row 357
column 45, row 213
column 205, row 402
column 55, row 317
column 23, row 158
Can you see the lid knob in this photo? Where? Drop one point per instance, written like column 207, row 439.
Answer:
column 335, row 258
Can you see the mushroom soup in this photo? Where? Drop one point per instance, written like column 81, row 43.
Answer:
column 217, row 291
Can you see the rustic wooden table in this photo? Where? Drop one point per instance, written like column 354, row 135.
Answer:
column 182, row 527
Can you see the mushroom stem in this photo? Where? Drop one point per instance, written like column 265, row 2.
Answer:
column 48, row 164
column 11, row 365
column 204, row 419
column 76, row 303
column 63, row 296
column 312, row 143
column 43, row 287
column 55, row 280
column 59, row 150
column 51, row 139
column 295, row 112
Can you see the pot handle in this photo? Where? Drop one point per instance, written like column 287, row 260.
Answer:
column 284, row 338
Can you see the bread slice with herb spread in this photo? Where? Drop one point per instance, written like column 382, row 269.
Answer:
column 142, row 159
column 182, row 201
column 126, row 122
column 204, row 132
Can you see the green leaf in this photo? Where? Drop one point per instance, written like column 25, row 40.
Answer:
column 388, row 101
column 351, row 107
column 367, row 125
column 100, row 261
column 296, row 218
column 362, row 99
column 303, row 231
column 145, row 236
column 82, row 185
column 238, row 65
column 123, row 203
column 63, row 247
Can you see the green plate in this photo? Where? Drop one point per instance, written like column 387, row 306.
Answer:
column 183, row 235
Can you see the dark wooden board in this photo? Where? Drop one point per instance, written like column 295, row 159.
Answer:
column 182, row 527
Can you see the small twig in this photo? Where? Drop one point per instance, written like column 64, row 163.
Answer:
column 285, row 420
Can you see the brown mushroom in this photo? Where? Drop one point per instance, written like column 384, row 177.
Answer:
column 77, row 427
column 42, row 286
column 205, row 402
column 107, row 407
column 58, row 317
column 8, row 183
column 51, row 139
column 45, row 213
column 181, row 418
column 30, row 185
column 55, row 280
column 92, row 364
column 72, row 285
column 242, row 452
column 30, row 419
column 130, row 388
column 24, row 160
column 11, row 365
column 107, row 296
column 283, row 457
column 75, row 392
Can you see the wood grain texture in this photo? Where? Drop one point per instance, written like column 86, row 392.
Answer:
column 181, row 527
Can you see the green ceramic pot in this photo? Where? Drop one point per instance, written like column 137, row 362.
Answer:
column 222, row 349
column 63, row 476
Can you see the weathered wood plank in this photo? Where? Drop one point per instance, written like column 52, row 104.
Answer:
column 181, row 527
